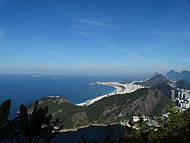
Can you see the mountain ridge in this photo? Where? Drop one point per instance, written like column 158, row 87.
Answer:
column 148, row 101
column 183, row 84
column 174, row 75
column 155, row 80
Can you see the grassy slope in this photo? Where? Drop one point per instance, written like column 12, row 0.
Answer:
column 108, row 110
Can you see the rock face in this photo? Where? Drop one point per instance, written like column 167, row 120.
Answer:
column 108, row 110
column 146, row 105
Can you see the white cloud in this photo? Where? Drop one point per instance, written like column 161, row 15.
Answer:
column 97, row 23
column 162, row 33
column 86, row 27
column 85, row 34
column 79, row 31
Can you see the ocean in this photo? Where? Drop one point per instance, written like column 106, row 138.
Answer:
column 98, row 133
column 24, row 89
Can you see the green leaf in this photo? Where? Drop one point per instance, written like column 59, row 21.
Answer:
column 4, row 111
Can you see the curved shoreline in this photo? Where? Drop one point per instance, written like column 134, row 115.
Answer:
column 119, row 89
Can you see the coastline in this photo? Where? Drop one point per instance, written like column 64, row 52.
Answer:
column 86, row 126
column 119, row 89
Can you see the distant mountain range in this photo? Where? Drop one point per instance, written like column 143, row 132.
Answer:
column 155, row 80
column 173, row 75
column 183, row 84
column 158, row 80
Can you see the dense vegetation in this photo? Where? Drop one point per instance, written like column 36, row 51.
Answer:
column 38, row 127
column 27, row 127
column 174, row 129
column 108, row 110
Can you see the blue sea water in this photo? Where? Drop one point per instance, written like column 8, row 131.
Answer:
column 98, row 133
column 23, row 89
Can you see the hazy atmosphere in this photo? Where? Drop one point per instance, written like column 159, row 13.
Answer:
column 94, row 37
column 94, row 71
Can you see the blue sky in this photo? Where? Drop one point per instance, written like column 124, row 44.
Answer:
column 94, row 36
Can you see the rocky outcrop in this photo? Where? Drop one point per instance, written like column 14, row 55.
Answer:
column 147, row 104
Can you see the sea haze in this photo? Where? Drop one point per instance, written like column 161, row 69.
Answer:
column 23, row 89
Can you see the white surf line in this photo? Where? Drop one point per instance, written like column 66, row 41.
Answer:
column 119, row 89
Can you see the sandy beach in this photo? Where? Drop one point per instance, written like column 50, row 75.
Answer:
column 119, row 89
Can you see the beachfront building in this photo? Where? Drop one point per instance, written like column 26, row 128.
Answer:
column 124, row 88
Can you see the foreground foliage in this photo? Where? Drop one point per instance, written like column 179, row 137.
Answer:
column 38, row 126
column 33, row 127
